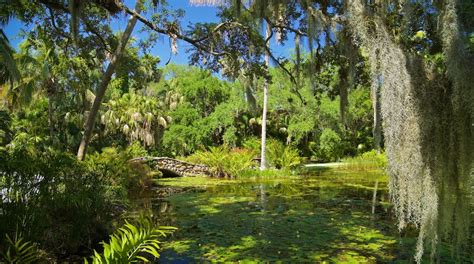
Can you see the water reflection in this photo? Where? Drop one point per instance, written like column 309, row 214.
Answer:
column 331, row 216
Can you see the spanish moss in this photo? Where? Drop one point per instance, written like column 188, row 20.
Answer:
column 427, row 117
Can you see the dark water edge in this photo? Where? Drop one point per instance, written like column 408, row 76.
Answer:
column 331, row 216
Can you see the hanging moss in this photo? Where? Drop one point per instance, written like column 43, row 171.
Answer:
column 427, row 123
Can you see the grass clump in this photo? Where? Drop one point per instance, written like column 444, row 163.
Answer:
column 370, row 160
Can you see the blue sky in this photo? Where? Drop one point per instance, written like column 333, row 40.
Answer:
column 193, row 14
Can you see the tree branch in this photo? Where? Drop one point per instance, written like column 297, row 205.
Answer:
column 92, row 30
column 287, row 71
column 194, row 42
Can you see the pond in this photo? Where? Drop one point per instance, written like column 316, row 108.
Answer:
column 326, row 215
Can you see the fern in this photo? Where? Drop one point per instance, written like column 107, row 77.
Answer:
column 132, row 244
column 19, row 251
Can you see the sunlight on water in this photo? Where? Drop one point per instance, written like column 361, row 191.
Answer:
column 326, row 215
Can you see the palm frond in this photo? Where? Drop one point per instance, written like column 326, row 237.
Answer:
column 131, row 244
column 6, row 58
column 19, row 251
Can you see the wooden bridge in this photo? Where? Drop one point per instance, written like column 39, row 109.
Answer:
column 173, row 167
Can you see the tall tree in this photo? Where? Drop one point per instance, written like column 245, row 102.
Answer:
column 91, row 118
column 263, row 156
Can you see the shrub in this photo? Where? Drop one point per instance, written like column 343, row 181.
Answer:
column 253, row 144
column 223, row 161
column 52, row 198
column 281, row 156
column 113, row 165
column 330, row 145
column 278, row 155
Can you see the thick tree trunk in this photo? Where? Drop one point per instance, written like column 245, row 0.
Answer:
column 89, row 125
column 263, row 161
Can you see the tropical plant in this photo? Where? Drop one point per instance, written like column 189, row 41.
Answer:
column 19, row 251
column 281, row 156
column 132, row 244
column 56, row 200
column 8, row 67
column 223, row 161
column 135, row 116
column 113, row 165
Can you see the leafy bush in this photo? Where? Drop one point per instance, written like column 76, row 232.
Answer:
column 223, row 161
column 53, row 198
column 330, row 146
column 281, row 156
column 253, row 144
column 113, row 165
column 132, row 244
column 278, row 155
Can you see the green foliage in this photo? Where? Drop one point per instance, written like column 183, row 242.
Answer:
column 137, row 117
column 359, row 121
column 19, row 251
column 112, row 164
column 329, row 146
column 202, row 109
column 367, row 161
column 5, row 130
column 223, row 161
column 132, row 244
column 281, row 156
column 253, row 144
column 8, row 68
column 52, row 197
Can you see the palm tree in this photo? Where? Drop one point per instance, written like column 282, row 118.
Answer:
column 9, row 72
column 39, row 69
